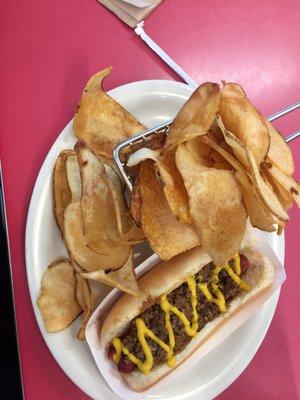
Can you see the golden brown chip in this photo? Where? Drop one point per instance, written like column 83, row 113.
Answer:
column 216, row 206
column 57, row 301
column 173, row 186
column 200, row 151
column 279, row 152
column 136, row 202
column 264, row 191
column 61, row 191
column 101, row 121
column 260, row 216
column 234, row 142
column 170, row 179
column 287, row 182
column 133, row 236
column 196, row 116
column 167, row 236
column 109, row 254
column 73, row 177
column 242, row 119
column 123, row 279
column 124, row 222
column 98, row 207
column 84, row 298
column 285, row 197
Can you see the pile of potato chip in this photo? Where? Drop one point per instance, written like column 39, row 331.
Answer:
column 220, row 163
column 91, row 213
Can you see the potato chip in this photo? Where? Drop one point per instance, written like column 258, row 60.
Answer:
column 170, row 178
column 218, row 161
column 124, row 222
column 167, row 236
column 136, row 203
column 135, row 235
column 173, row 186
column 287, row 182
column 101, row 121
column 61, row 191
column 282, row 194
column 244, row 121
column 98, row 207
column 235, row 143
column 73, row 177
column 265, row 192
column 84, row 298
column 57, row 301
column 279, row 152
column 98, row 290
column 216, row 206
column 109, row 255
column 196, row 116
column 123, row 279
column 260, row 216
column 200, row 151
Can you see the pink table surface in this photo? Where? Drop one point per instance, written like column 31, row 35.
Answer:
column 50, row 48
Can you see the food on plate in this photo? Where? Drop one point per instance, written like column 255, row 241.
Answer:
column 123, row 279
column 166, row 235
column 136, row 202
column 85, row 299
column 265, row 191
column 260, row 217
column 244, row 121
column 217, row 167
column 285, row 181
column 196, row 116
column 102, row 253
column 279, row 152
column 183, row 302
column 73, row 177
column 98, row 208
column 61, row 190
column 195, row 183
column 170, row 178
column 57, row 300
column 100, row 121
column 216, row 206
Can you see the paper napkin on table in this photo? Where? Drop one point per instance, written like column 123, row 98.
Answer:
column 131, row 11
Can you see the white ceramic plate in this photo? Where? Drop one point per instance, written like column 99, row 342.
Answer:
column 152, row 102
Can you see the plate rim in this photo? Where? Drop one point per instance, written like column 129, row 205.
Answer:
column 29, row 229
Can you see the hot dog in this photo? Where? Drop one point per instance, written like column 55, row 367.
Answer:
column 183, row 301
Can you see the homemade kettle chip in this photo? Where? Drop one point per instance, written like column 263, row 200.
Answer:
column 107, row 256
column 216, row 206
column 242, row 119
column 100, row 121
column 61, row 191
column 123, row 279
column 57, row 301
column 196, row 116
column 167, row 236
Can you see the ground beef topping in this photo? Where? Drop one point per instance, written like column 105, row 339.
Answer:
column 154, row 316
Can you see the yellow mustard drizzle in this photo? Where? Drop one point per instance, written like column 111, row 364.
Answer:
column 218, row 297
column 243, row 285
column 237, row 264
column 190, row 328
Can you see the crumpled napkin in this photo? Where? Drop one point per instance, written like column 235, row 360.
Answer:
column 131, row 11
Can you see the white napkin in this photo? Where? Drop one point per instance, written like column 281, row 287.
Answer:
column 131, row 11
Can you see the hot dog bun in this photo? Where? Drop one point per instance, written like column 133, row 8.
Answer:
column 162, row 279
